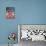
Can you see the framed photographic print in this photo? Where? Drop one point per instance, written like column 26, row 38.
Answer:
column 10, row 12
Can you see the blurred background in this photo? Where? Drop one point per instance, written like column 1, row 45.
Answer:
column 27, row 12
